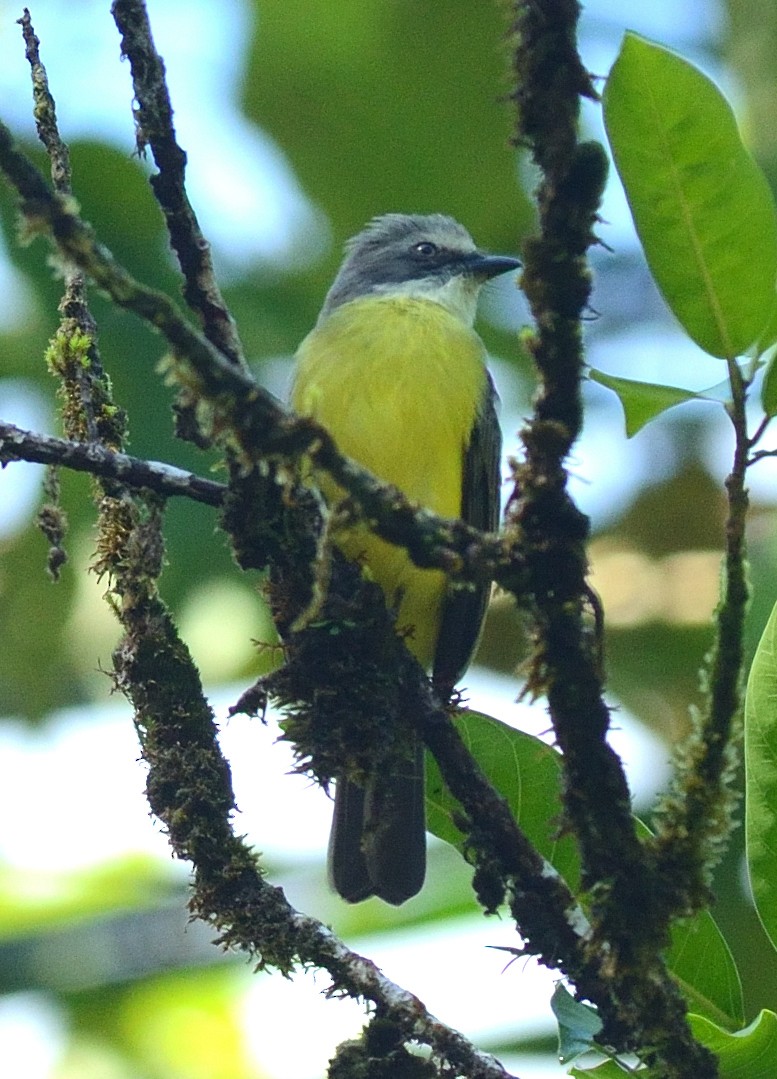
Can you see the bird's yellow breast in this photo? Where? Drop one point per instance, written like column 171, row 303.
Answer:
column 398, row 382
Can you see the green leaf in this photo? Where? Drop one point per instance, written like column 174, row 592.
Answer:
column 641, row 401
column 607, row 1070
column 768, row 336
column 761, row 777
column 769, row 388
column 702, row 207
column 578, row 1024
column 701, row 961
column 523, row 769
column 747, row 1054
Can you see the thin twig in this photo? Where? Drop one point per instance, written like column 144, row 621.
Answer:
column 45, row 111
column 760, row 455
column 74, row 309
column 759, row 433
column 96, row 459
column 154, row 120
column 89, row 413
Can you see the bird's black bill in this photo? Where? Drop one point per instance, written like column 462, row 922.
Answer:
column 486, row 266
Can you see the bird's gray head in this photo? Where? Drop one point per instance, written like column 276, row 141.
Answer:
column 424, row 256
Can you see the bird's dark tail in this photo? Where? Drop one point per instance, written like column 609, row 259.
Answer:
column 378, row 841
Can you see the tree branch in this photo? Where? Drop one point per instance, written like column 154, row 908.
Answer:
column 154, row 123
column 617, row 964
column 88, row 412
column 92, row 457
column 645, row 1009
column 189, row 790
column 349, row 688
column 694, row 819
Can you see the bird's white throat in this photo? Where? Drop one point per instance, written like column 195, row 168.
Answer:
column 459, row 294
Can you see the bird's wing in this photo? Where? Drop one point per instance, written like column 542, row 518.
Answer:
column 465, row 608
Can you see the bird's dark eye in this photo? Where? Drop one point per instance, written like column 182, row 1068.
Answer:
column 425, row 248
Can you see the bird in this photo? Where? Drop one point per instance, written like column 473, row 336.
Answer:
column 395, row 371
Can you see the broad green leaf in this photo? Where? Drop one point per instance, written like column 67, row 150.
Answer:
column 701, row 961
column 523, row 769
column 769, row 388
column 747, row 1054
column 641, row 401
column 578, row 1024
column 702, row 207
column 761, row 777
column 768, row 336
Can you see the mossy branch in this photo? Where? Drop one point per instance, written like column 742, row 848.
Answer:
column 694, row 819
column 645, row 1009
column 154, row 128
column 88, row 411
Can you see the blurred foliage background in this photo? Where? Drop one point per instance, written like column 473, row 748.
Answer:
column 363, row 106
